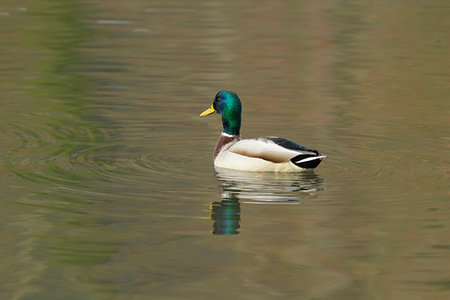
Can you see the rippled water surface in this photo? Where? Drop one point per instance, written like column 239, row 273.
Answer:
column 107, row 187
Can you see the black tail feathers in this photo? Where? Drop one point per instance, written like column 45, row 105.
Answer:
column 308, row 160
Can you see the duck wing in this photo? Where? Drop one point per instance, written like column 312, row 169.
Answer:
column 277, row 150
column 288, row 144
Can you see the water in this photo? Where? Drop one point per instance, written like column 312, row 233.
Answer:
column 107, row 188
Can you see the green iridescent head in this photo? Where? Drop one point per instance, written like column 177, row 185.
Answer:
column 228, row 105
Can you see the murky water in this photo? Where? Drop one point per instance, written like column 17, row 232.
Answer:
column 107, row 187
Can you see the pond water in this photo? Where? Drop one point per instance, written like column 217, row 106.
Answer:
column 107, row 183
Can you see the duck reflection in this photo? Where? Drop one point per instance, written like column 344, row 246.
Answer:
column 258, row 188
column 226, row 215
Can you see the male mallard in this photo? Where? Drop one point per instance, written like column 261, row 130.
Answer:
column 265, row 154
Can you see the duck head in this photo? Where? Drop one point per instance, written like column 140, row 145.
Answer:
column 228, row 105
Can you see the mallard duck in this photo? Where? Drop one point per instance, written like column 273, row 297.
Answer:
column 264, row 154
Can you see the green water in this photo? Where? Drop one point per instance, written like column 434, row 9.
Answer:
column 107, row 189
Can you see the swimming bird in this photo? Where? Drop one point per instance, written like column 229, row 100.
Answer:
column 264, row 154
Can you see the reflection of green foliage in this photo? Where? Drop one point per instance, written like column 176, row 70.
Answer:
column 60, row 143
column 79, row 252
column 443, row 284
column 64, row 135
column 58, row 39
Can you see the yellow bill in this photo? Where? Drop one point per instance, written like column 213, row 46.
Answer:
column 209, row 111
